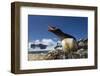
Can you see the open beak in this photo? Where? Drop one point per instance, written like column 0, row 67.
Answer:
column 51, row 28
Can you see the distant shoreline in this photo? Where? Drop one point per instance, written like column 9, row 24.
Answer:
column 37, row 52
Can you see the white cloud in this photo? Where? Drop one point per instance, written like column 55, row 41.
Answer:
column 36, row 42
column 49, row 42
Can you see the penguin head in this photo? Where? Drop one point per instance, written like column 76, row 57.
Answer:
column 53, row 29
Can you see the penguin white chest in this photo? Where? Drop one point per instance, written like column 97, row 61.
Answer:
column 68, row 44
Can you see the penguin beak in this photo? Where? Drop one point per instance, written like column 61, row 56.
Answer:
column 51, row 28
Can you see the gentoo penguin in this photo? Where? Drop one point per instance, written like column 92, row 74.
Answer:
column 68, row 42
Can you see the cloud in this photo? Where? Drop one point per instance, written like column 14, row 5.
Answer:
column 37, row 42
column 49, row 42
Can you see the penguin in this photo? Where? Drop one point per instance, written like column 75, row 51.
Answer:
column 68, row 42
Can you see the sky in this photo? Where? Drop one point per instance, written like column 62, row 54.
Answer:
column 38, row 27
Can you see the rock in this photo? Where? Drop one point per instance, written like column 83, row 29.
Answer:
column 83, row 53
column 56, row 54
column 79, row 51
column 83, row 43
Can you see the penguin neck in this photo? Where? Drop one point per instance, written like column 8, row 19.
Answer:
column 62, row 35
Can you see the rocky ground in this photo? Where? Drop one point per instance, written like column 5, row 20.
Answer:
column 82, row 52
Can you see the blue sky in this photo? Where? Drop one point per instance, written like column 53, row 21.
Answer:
column 38, row 26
